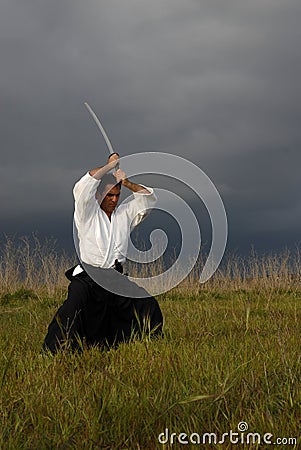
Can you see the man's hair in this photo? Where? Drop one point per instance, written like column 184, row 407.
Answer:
column 107, row 180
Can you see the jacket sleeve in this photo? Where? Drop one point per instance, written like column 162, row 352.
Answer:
column 140, row 205
column 84, row 196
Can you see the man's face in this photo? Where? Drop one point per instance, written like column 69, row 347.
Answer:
column 110, row 201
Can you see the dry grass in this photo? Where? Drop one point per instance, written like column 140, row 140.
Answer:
column 31, row 264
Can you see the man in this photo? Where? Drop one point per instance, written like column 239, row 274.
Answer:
column 95, row 313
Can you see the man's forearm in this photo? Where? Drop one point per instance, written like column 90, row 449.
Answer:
column 135, row 187
column 99, row 172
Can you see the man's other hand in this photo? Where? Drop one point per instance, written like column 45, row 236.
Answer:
column 120, row 175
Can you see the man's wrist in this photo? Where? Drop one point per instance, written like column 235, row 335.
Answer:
column 135, row 187
column 126, row 182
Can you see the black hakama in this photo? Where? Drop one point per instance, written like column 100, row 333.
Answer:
column 92, row 315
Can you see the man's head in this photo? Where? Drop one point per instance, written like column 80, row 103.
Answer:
column 108, row 193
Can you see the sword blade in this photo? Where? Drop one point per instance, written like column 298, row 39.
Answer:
column 100, row 127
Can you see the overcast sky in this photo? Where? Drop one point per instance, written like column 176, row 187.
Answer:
column 214, row 81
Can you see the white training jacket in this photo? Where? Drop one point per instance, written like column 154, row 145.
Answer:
column 100, row 240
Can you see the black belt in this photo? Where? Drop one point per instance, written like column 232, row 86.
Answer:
column 118, row 266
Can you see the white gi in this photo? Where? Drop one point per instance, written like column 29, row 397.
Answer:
column 102, row 241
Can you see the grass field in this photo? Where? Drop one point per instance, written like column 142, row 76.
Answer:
column 230, row 354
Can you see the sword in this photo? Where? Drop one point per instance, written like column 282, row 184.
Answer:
column 102, row 130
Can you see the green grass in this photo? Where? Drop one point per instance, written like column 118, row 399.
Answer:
column 227, row 356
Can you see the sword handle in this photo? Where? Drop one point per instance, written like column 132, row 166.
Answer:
column 117, row 165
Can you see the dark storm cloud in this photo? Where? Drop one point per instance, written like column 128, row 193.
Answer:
column 216, row 82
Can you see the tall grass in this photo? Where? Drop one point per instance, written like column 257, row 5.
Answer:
column 230, row 353
column 280, row 270
column 30, row 263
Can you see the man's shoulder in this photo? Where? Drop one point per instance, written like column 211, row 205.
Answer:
column 122, row 208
